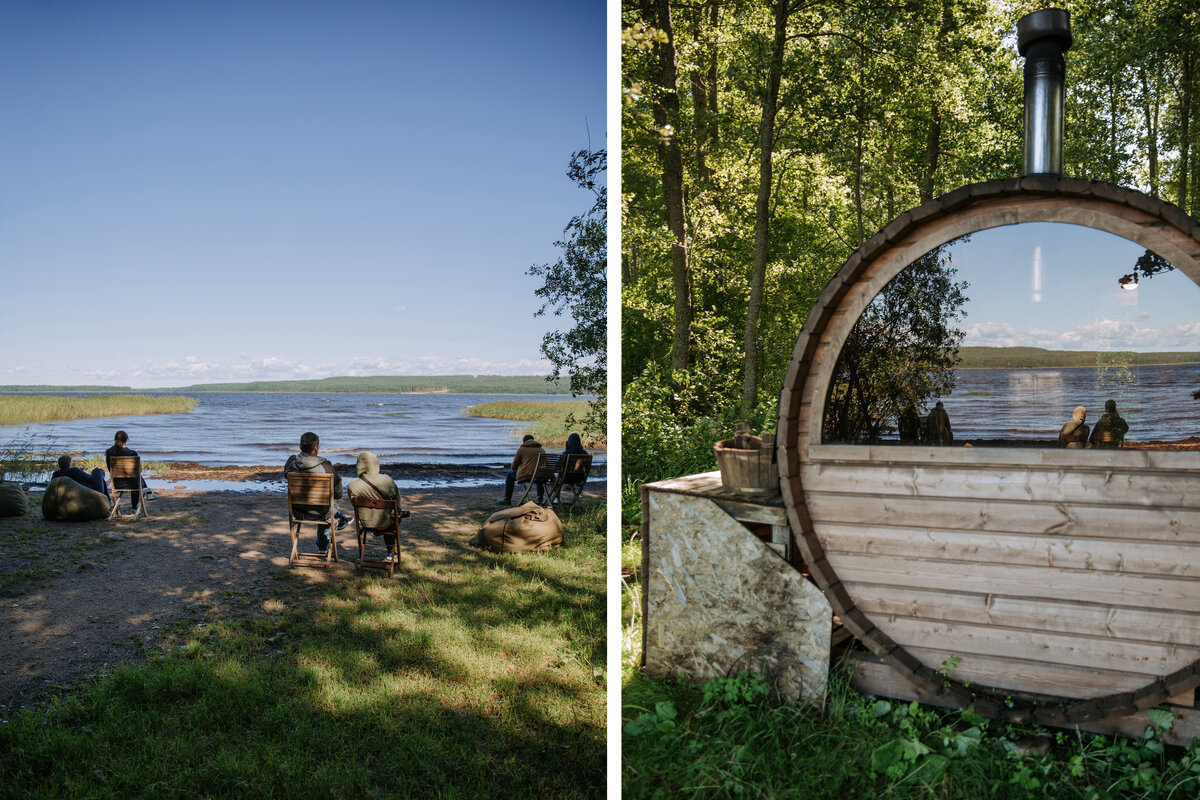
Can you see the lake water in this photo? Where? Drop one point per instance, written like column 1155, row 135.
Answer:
column 253, row 428
column 1033, row 404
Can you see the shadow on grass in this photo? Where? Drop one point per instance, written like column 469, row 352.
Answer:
column 469, row 674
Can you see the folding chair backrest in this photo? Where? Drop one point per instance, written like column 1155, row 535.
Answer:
column 310, row 488
column 547, row 466
column 576, row 468
column 375, row 502
column 125, row 467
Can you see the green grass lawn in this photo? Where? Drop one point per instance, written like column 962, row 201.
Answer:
column 549, row 419
column 470, row 674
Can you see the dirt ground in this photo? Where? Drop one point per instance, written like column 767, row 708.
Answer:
column 76, row 599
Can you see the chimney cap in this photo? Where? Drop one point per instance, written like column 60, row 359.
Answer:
column 1049, row 23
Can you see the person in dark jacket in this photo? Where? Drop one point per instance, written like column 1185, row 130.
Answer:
column 938, row 425
column 95, row 480
column 574, row 446
column 308, row 460
column 522, row 469
column 1110, row 429
column 120, row 440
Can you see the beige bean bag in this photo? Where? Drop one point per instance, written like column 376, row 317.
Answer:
column 523, row 529
column 67, row 501
column 12, row 500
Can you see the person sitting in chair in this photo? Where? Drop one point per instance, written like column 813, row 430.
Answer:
column 1111, row 428
column 94, row 481
column 308, row 460
column 522, row 469
column 120, row 440
column 373, row 483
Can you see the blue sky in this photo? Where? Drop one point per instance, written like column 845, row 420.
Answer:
column 1056, row 286
column 210, row 191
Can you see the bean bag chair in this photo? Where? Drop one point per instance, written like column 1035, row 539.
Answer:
column 67, row 501
column 523, row 529
column 12, row 500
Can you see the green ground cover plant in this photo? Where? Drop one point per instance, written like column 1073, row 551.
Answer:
column 470, row 674
column 553, row 420
column 25, row 409
column 730, row 739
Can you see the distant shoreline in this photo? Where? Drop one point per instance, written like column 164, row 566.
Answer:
column 1041, row 358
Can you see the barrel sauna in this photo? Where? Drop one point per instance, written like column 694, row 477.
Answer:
column 1037, row 584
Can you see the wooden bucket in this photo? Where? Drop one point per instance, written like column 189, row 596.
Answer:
column 747, row 463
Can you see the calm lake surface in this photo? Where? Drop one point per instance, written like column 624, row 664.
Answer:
column 253, row 428
column 1033, row 404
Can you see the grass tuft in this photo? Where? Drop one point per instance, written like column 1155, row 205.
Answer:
column 26, row 409
column 553, row 420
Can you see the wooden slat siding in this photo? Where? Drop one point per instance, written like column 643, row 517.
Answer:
column 1133, row 624
column 1014, row 675
column 1038, row 648
column 1063, row 552
column 1008, row 457
column 1053, row 485
column 1105, row 589
column 1133, row 524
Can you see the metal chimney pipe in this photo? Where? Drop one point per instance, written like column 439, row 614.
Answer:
column 1042, row 38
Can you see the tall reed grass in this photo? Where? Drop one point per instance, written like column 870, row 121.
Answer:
column 553, row 421
column 25, row 409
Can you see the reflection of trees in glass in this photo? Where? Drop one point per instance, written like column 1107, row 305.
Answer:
column 1147, row 266
column 902, row 351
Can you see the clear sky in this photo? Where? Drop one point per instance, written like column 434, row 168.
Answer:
column 198, row 191
column 1056, row 286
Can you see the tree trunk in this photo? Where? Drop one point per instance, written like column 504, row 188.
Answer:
column 1150, row 111
column 762, row 206
column 933, row 149
column 670, row 158
column 1185, row 113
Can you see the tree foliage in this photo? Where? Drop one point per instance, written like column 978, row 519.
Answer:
column 804, row 126
column 577, row 283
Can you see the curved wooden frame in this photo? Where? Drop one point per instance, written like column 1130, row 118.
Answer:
column 1159, row 226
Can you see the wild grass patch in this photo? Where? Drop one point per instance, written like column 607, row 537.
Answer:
column 25, row 409
column 552, row 421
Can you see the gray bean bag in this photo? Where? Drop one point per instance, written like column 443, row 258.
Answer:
column 67, row 501
column 12, row 500
column 523, row 529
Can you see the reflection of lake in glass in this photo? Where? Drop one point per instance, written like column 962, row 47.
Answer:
column 1034, row 404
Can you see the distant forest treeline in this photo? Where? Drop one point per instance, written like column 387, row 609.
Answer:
column 381, row 384
column 1037, row 357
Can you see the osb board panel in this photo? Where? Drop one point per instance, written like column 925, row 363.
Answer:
column 874, row 678
column 719, row 601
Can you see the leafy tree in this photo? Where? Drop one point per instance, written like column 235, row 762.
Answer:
column 901, row 352
column 578, row 282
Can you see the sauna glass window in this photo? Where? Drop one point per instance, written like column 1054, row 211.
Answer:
column 1011, row 329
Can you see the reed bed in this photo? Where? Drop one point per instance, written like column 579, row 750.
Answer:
column 25, row 409
column 552, row 421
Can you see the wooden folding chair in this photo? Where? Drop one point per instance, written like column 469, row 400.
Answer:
column 313, row 490
column 394, row 529
column 128, row 470
column 543, row 472
column 573, row 475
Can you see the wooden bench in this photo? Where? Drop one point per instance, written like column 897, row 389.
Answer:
column 573, row 475
column 544, row 472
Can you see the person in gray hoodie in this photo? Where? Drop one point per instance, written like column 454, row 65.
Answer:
column 373, row 483
column 308, row 460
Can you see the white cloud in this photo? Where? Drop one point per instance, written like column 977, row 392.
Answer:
column 1105, row 334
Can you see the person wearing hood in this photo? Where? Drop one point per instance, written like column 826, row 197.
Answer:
column 1110, row 429
column 373, row 483
column 308, row 460
column 938, row 425
column 1074, row 434
column 574, row 446
column 523, row 465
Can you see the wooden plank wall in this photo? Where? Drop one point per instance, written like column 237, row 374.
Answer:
column 1026, row 572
